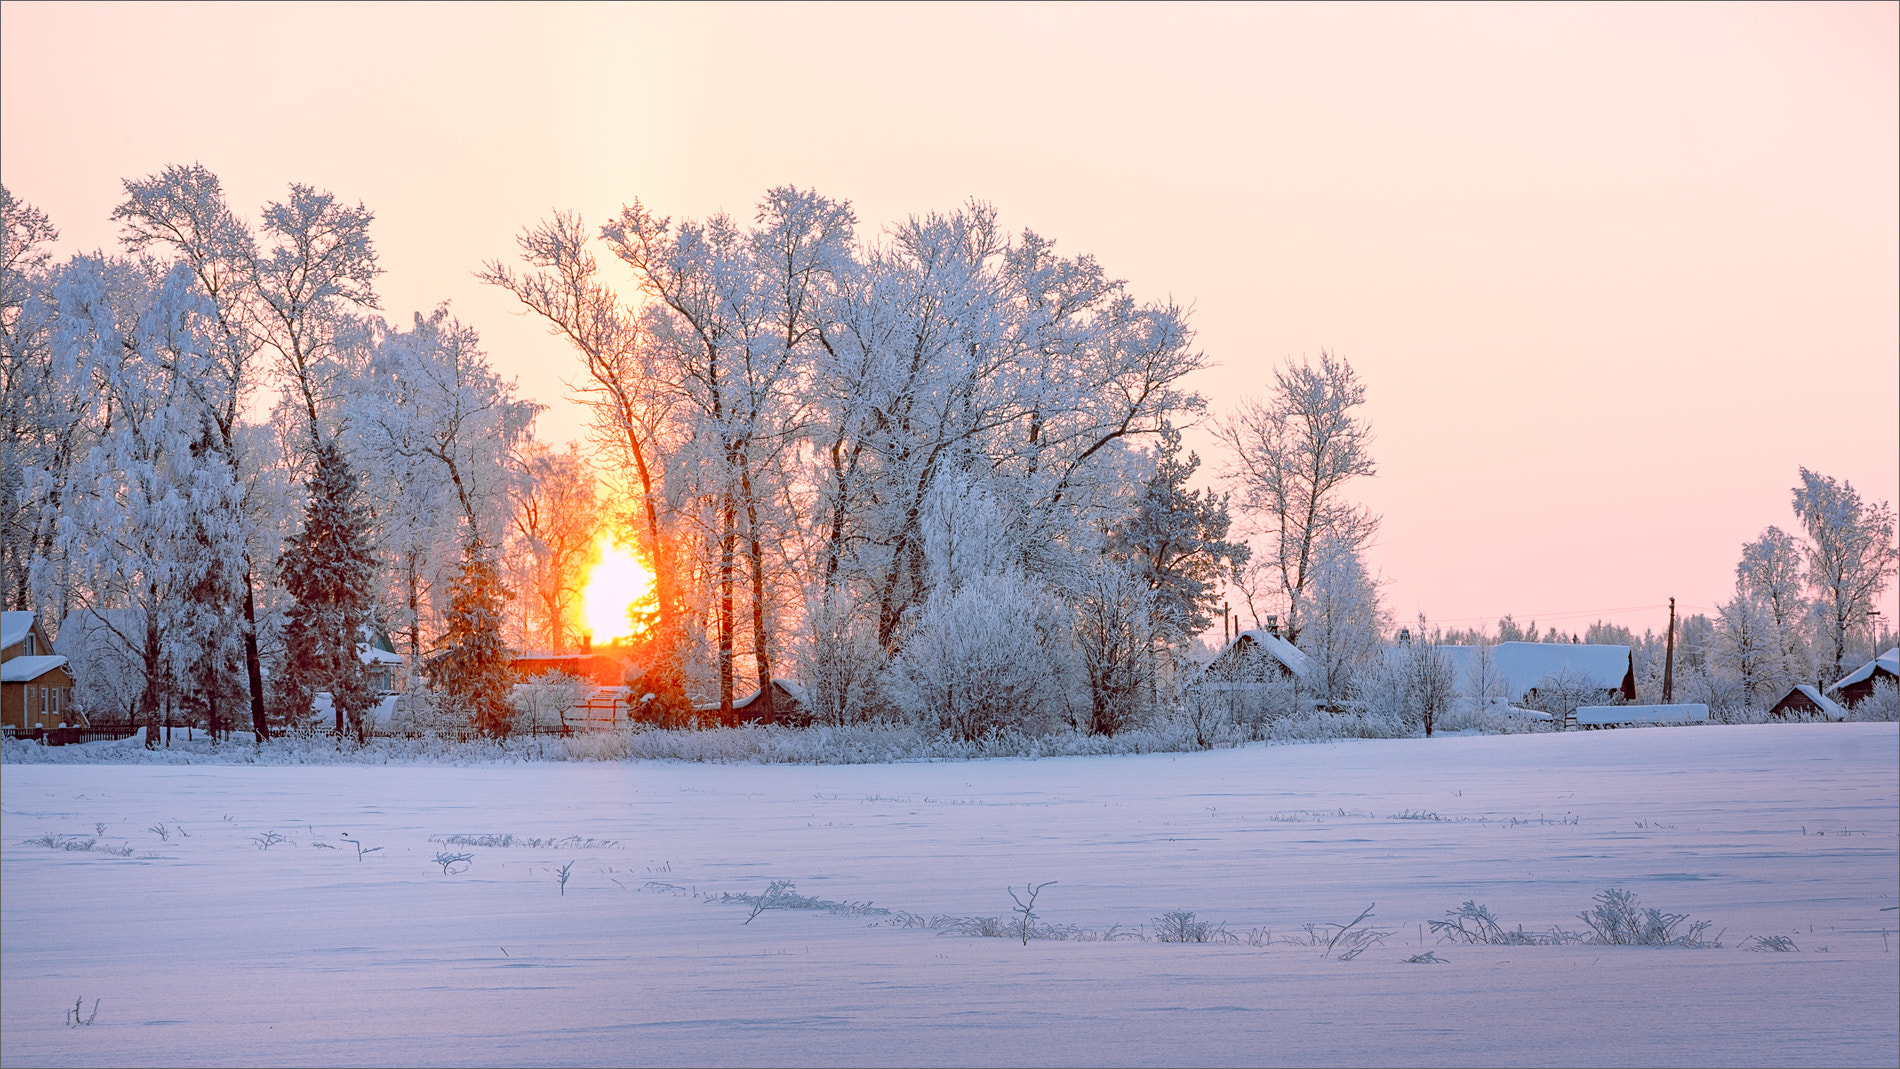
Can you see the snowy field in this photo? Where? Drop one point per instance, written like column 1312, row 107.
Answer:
column 202, row 947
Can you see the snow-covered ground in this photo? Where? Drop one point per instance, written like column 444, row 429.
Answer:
column 203, row 948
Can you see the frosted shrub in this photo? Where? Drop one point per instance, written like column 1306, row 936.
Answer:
column 988, row 656
column 1221, row 710
column 1494, row 718
column 839, row 660
column 426, row 713
column 1883, row 704
column 1618, row 920
column 1473, row 923
column 540, row 707
column 1180, row 926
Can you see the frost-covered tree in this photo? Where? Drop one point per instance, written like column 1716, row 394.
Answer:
column 1176, row 539
column 989, row 655
column 1748, row 644
column 181, row 211
column 1114, row 621
column 1415, row 684
column 318, row 268
column 735, row 317
column 556, row 518
column 1771, row 575
column 1345, row 621
column 631, row 425
column 151, row 523
column 1851, row 556
column 328, row 568
column 1483, row 684
column 1293, row 454
column 472, row 670
column 436, row 432
column 839, row 660
column 31, row 442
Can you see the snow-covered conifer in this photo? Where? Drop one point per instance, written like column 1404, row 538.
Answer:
column 328, row 568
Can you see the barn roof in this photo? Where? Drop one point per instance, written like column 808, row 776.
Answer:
column 27, row 669
column 1524, row 664
column 14, row 626
column 1888, row 662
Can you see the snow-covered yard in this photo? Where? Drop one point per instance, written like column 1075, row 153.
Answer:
column 204, row 947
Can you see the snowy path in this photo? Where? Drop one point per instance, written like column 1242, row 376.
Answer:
column 205, row 949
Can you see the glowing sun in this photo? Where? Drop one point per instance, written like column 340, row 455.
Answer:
column 617, row 582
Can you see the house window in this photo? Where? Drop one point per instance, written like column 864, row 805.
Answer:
column 31, row 649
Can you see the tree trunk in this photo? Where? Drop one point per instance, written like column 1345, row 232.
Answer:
column 253, row 664
column 728, row 549
column 755, row 551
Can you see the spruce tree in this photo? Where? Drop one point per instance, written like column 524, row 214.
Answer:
column 327, row 569
column 472, row 670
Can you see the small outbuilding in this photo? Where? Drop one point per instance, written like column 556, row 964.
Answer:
column 1803, row 702
column 601, row 669
column 788, row 706
column 1857, row 686
column 1252, row 658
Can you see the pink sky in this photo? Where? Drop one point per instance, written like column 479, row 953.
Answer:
column 1611, row 273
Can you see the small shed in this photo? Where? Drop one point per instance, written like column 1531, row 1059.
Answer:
column 1803, row 702
column 36, row 684
column 1856, row 686
column 788, row 706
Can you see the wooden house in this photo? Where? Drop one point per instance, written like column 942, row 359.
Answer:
column 1803, row 702
column 1856, row 686
column 788, row 706
column 36, row 684
column 1252, row 658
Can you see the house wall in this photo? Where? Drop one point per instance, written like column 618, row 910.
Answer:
column 24, row 705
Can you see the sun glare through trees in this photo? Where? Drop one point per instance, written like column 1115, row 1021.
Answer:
column 617, row 583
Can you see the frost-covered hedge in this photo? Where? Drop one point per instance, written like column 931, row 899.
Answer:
column 820, row 744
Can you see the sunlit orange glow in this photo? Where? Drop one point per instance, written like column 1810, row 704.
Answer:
column 617, row 583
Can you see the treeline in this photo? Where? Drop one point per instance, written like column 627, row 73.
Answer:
column 932, row 474
column 1804, row 611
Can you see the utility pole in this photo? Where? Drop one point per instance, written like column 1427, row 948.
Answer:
column 1669, row 657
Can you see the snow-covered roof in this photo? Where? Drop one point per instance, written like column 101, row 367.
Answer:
column 14, row 626
column 1523, row 665
column 1294, row 658
column 369, row 654
column 1695, row 713
column 81, row 626
column 1888, row 661
column 1828, row 706
column 24, row 669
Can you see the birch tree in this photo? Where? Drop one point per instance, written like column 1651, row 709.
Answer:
column 1851, row 556
column 1771, row 574
column 1293, row 455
